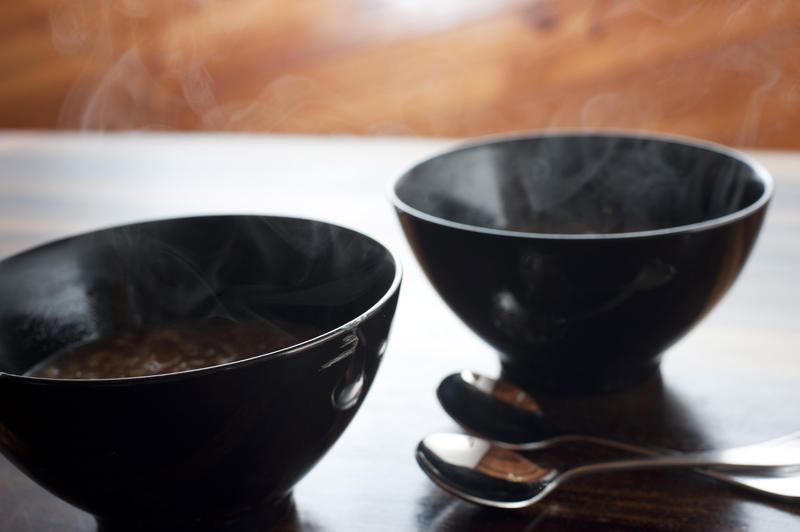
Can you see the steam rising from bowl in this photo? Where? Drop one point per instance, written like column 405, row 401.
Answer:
column 204, row 448
column 582, row 256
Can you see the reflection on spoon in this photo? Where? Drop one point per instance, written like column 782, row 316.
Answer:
column 495, row 409
column 481, row 472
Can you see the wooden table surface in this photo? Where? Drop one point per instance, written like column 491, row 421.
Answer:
column 734, row 380
column 725, row 70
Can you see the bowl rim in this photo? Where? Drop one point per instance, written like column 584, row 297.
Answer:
column 294, row 349
column 759, row 172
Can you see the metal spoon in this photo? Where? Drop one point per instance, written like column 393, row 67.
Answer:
column 510, row 417
column 478, row 471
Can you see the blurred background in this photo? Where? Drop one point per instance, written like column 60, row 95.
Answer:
column 723, row 70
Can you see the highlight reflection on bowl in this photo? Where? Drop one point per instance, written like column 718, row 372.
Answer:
column 582, row 256
column 213, row 448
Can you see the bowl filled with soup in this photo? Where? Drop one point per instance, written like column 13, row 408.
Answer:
column 184, row 374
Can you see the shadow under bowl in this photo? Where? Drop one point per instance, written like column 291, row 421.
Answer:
column 582, row 256
column 217, row 448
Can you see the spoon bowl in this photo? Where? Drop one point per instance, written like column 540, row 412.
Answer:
column 495, row 409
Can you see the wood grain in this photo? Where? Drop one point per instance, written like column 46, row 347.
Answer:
column 723, row 70
column 732, row 381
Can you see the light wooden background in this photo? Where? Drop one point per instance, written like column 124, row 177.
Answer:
column 723, row 70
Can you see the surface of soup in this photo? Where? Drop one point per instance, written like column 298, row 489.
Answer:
column 172, row 349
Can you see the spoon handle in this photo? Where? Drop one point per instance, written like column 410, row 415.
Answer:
column 759, row 471
column 780, row 453
column 768, row 484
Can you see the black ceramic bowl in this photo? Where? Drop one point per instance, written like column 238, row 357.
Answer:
column 216, row 448
column 582, row 256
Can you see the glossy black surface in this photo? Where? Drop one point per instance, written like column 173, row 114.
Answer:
column 480, row 472
column 217, row 448
column 582, row 257
column 493, row 414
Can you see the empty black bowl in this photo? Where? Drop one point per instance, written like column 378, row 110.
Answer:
column 216, row 448
column 582, row 256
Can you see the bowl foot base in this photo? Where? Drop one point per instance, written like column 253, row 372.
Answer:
column 568, row 382
column 255, row 519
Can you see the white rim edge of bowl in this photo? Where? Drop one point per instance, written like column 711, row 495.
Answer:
column 758, row 170
column 286, row 351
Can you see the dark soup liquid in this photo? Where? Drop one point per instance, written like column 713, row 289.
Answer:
column 171, row 349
